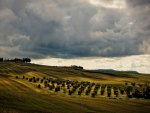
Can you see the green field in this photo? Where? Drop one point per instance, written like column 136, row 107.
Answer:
column 21, row 96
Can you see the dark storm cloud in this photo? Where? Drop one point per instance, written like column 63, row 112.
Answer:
column 41, row 28
column 138, row 2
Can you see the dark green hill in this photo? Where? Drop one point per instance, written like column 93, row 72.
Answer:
column 112, row 71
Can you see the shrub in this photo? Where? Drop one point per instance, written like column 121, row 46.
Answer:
column 79, row 92
column 102, row 92
column 109, row 91
column 34, row 80
column 41, row 80
column 140, row 85
column 17, row 77
column 49, row 80
column 37, row 79
column 137, row 94
column 30, row 79
column 39, row 86
column 63, row 85
column 68, row 82
column 51, row 87
column 115, row 90
column 133, row 83
column 87, row 92
column 147, row 93
column 109, row 94
column 69, row 92
column 23, row 77
column 121, row 90
column 116, row 93
column 129, row 90
column 64, row 90
column 95, row 90
column 57, row 89
column 45, row 83
column 68, row 86
column 102, row 89
column 93, row 94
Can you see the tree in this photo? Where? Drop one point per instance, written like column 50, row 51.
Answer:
column 39, row 86
column 51, row 87
column 37, row 79
column 147, row 92
column 27, row 78
column 23, row 77
column 1, row 59
column 26, row 60
column 133, row 83
column 93, row 94
column 63, row 85
column 137, row 94
column 30, row 79
column 79, row 92
column 129, row 90
column 77, row 67
column 70, row 92
column 57, row 89
column 45, row 83
column 41, row 80
column 17, row 60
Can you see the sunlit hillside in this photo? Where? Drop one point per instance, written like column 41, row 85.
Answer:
column 23, row 90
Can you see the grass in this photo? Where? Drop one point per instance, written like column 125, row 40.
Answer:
column 20, row 96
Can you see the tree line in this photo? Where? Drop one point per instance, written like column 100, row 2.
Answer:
column 25, row 60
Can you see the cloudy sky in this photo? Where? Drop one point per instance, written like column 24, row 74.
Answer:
column 105, row 33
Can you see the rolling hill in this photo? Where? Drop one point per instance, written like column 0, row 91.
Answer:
column 22, row 96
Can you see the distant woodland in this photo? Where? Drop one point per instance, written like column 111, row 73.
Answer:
column 25, row 60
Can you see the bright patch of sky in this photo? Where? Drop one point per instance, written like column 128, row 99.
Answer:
column 139, row 63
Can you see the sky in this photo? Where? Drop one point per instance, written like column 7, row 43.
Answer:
column 90, row 33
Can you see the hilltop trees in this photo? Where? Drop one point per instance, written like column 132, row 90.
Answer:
column 76, row 67
column 25, row 60
column 1, row 59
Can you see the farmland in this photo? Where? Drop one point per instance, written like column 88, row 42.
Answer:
column 26, row 88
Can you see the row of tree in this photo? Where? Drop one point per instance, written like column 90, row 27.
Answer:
column 91, row 88
column 25, row 60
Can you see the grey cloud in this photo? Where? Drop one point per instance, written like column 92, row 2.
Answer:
column 138, row 2
column 41, row 28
